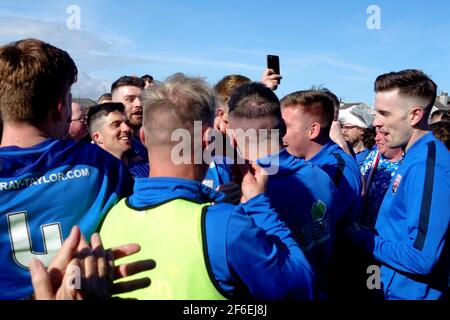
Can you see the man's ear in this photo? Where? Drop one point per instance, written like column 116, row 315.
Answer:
column 220, row 112
column 142, row 136
column 416, row 115
column 314, row 130
column 56, row 114
column 97, row 137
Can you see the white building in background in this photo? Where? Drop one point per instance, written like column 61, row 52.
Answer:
column 442, row 101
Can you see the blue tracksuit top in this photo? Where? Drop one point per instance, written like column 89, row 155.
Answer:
column 413, row 225
column 306, row 199
column 138, row 159
column 361, row 156
column 138, row 148
column 44, row 191
column 343, row 170
column 261, row 261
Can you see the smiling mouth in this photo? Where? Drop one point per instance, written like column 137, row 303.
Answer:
column 137, row 113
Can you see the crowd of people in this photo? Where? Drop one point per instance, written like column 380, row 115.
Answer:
column 270, row 199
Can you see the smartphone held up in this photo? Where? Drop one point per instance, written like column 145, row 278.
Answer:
column 273, row 62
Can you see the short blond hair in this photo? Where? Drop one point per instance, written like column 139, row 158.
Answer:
column 176, row 104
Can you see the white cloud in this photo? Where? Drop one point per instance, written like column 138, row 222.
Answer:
column 89, row 86
column 90, row 52
column 101, row 58
column 14, row 28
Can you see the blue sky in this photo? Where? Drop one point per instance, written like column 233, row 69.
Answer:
column 320, row 42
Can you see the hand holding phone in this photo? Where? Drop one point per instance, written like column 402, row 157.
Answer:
column 273, row 62
column 272, row 79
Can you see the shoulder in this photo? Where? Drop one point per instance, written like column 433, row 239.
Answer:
column 225, row 225
column 83, row 151
column 313, row 174
column 115, row 213
column 232, row 221
column 219, row 213
column 339, row 157
column 427, row 154
column 114, row 171
column 431, row 162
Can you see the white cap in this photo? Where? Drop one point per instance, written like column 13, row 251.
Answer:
column 356, row 116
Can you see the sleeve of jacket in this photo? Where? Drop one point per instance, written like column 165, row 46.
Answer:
column 428, row 215
column 264, row 256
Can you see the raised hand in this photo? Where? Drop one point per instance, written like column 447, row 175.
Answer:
column 270, row 79
column 82, row 271
column 254, row 181
column 232, row 192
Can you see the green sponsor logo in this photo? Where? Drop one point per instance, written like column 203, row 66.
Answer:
column 318, row 210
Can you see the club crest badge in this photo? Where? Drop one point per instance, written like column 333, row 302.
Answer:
column 396, row 183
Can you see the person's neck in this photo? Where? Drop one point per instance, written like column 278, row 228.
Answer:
column 314, row 147
column 22, row 134
column 417, row 134
column 136, row 133
column 163, row 166
column 124, row 158
column 393, row 155
column 358, row 147
column 185, row 171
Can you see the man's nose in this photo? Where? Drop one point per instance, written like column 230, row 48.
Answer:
column 376, row 122
column 125, row 127
column 137, row 102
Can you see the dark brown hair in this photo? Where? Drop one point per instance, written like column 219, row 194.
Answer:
column 441, row 131
column 411, row 83
column 128, row 81
column 254, row 101
column 34, row 77
column 101, row 111
column 368, row 137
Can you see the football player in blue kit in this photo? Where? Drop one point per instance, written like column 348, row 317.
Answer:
column 302, row 193
column 47, row 184
column 412, row 228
